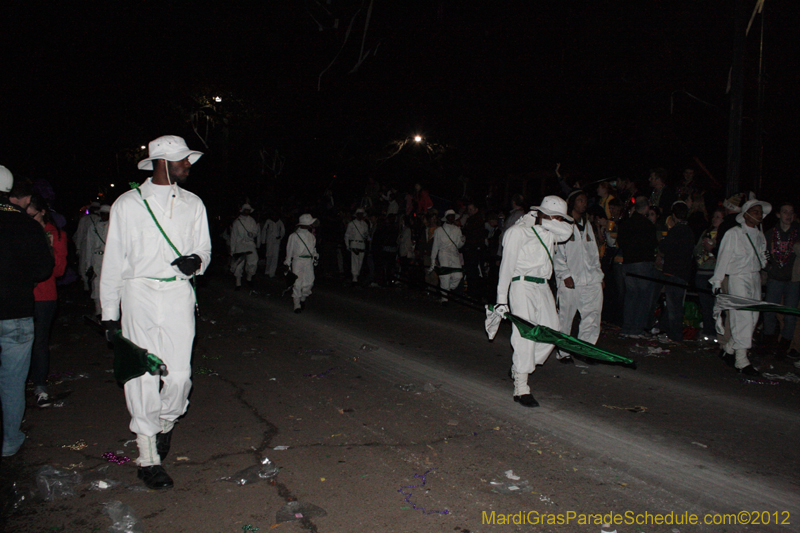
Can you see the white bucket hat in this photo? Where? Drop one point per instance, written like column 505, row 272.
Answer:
column 360, row 210
column 105, row 208
column 448, row 212
column 169, row 148
column 306, row 220
column 246, row 207
column 765, row 206
column 553, row 206
column 6, row 179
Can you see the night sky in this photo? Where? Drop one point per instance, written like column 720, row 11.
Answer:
column 496, row 88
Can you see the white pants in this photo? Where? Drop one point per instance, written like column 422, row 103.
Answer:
column 449, row 282
column 588, row 301
column 273, row 252
column 356, row 260
column 97, row 267
column 534, row 302
column 743, row 323
column 304, row 269
column 159, row 316
column 247, row 266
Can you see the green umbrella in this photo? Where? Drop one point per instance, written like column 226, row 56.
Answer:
column 564, row 341
column 769, row 308
column 131, row 361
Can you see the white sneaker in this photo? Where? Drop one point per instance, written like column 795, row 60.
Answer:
column 43, row 400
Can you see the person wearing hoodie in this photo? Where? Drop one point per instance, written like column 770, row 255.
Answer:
column 523, row 288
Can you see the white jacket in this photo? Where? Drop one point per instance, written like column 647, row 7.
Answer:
column 523, row 254
column 357, row 234
column 737, row 256
column 136, row 249
column 244, row 232
column 579, row 258
column 447, row 240
column 94, row 246
column 301, row 246
column 272, row 233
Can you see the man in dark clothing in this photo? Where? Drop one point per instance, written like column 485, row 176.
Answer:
column 662, row 196
column 637, row 242
column 475, row 235
column 677, row 247
column 26, row 260
column 780, row 287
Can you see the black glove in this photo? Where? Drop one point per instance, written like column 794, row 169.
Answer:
column 111, row 327
column 717, row 291
column 188, row 264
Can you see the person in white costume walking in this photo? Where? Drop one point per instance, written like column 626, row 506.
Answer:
column 302, row 257
column 244, row 233
column 356, row 237
column 93, row 250
column 579, row 276
column 271, row 236
column 84, row 226
column 742, row 255
column 527, row 265
column 447, row 241
column 157, row 241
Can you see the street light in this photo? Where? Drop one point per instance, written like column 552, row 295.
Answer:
column 142, row 147
column 217, row 98
column 112, row 184
column 417, row 138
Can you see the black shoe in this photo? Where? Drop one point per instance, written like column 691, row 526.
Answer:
column 749, row 371
column 727, row 358
column 163, row 441
column 303, row 306
column 155, row 477
column 793, row 354
column 568, row 360
column 526, row 400
column 298, row 310
column 238, row 288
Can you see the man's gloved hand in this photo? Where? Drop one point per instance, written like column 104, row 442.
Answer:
column 188, row 264
column 501, row 309
column 111, row 327
column 717, row 291
column 767, row 256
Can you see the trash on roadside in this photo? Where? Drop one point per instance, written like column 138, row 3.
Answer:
column 759, row 382
column 72, row 376
column 368, row 348
column 252, row 474
column 296, row 510
column 242, row 329
column 510, row 487
column 430, row 387
column 104, row 484
column 321, row 374
column 408, row 494
column 789, row 376
column 55, row 484
column 280, row 448
column 79, row 445
column 405, row 387
column 202, row 370
column 123, row 518
column 510, row 475
column 114, row 458
column 634, row 409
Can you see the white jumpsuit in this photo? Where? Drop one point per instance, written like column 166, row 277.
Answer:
column 579, row 259
column 244, row 232
column 741, row 259
column 301, row 254
column 156, row 298
column 271, row 235
column 447, row 240
column 93, row 249
column 355, row 239
column 531, row 299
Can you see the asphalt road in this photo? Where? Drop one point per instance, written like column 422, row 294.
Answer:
column 372, row 388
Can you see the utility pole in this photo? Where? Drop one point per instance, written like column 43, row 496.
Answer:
column 758, row 149
column 734, row 168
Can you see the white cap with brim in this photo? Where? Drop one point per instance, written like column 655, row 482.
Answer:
column 448, row 213
column 553, row 206
column 104, row 209
column 6, row 179
column 306, row 220
column 766, row 208
column 246, row 207
column 360, row 210
column 169, row 148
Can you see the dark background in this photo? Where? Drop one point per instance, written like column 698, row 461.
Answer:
column 496, row 89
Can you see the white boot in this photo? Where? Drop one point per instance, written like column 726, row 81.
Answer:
column 522, row 392
column 741, row 358
column 148, row 455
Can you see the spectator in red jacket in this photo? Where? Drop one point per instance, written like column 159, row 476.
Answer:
column 46, row 300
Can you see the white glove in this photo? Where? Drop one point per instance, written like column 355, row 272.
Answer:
column 767, row 256
column 501, row 309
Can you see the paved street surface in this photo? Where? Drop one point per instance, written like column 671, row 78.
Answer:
column 396, row 415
